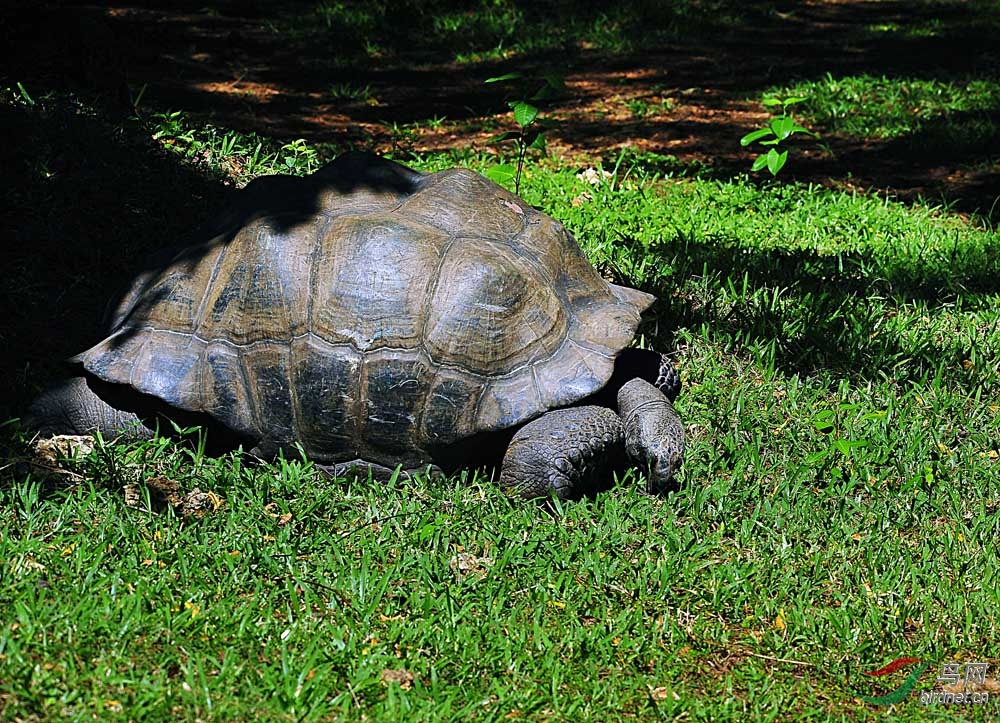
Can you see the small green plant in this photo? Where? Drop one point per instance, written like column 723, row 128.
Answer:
column 433, row 123
column 834, row 458
column 404, row 138
column 299, row 157
column 353, row 93
column 642, row 108
column 531, row 127
column 780, row 128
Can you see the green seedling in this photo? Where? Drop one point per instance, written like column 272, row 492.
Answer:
column 780, row 128
column 531, row 126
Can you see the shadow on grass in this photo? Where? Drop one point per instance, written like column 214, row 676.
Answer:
column 92, row 196
column 826, row 314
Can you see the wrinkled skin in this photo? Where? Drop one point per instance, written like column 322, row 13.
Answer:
column 571, row 451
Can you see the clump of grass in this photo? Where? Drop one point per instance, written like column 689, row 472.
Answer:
column 354, row 93
column 240, row 156
column 960, row 113
column 643, row 108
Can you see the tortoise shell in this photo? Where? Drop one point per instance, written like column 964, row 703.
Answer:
column 370, row 311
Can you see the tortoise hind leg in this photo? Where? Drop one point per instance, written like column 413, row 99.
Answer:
column 566, row 452
column 73, row 406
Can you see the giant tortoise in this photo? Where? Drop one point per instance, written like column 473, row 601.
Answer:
column 375, row 317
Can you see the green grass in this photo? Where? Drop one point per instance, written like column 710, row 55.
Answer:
column 942, row 18
column 353, row 93
column 235, row 155
column 947, row 113
column 641, row 108
column 838, row 507
column 487, row 30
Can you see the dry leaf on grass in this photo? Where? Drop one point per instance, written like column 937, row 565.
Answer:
column 164, row 492
column 53, row 458
column 662, row 693
column 403, row 677
column 465, row 562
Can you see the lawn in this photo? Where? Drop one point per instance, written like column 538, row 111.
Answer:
column 837, row 510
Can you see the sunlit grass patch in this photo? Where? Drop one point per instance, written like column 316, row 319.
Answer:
column 960, row 113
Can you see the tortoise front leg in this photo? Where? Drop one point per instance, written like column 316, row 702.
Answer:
column 654, row 434
column 566, row 452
